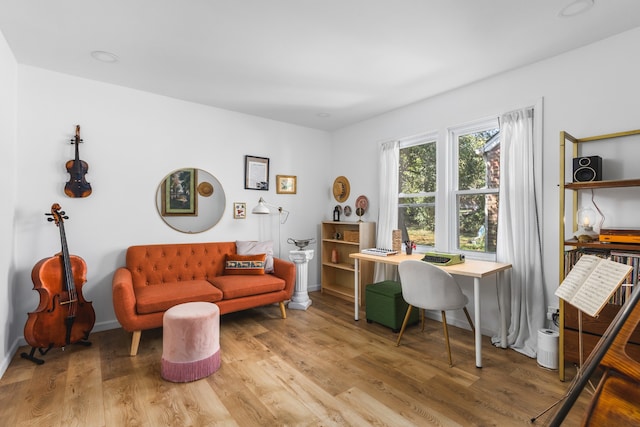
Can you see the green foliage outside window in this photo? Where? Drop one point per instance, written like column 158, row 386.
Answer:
column 417, row 186
column 472, row 168
column 478, row 168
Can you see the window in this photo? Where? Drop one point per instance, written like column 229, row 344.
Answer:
column 417, row 190
column 448, row 199
column 475, row 187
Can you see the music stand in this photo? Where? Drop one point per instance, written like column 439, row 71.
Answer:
column 579, row 283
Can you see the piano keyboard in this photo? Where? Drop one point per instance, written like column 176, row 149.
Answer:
column 379, row 251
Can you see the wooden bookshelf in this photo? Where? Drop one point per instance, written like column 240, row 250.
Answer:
column 344, row 238
column 592, row 328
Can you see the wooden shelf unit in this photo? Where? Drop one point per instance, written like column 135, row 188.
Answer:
column 604, row 246
column 616, row 183
column 592, row 328
column 338, row 278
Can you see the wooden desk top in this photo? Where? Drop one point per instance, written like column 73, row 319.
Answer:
column 470, row 268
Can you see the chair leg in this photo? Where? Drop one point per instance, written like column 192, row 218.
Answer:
column 404, row 324
column 446, row 336
column 422, row 310
column 473, row 329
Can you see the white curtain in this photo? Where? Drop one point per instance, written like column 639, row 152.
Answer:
column 388, row 210
column 519, row 235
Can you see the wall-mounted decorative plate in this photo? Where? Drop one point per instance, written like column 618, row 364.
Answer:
column 362, row 202
column 341, row 189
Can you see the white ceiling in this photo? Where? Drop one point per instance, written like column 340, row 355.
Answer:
column 296, row 60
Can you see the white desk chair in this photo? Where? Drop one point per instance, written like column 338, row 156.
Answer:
column 428, row 287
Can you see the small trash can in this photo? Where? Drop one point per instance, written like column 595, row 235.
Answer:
column 548, row 348
column 384, row 305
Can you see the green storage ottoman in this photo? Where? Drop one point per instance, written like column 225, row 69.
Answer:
column 384, row 305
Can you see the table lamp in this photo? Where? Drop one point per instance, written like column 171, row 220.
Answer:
column 586, row 220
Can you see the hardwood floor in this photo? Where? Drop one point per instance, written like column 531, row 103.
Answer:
column 316, row 368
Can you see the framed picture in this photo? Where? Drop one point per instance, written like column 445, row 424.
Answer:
column 239, row 210
column 179, row 193
column 256, row 173
column 285, row 184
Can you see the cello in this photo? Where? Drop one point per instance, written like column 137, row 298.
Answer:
column 63, row 316
column 616, row 399
column 77, row 186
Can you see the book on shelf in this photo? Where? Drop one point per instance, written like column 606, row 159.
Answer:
column 591, row 283
column 632, row 259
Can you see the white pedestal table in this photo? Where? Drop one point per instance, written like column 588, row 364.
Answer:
column 300, row 299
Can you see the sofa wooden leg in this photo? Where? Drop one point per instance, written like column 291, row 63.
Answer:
column 282, row 310
column 135, row 342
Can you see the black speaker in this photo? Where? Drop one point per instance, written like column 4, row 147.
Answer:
column 587, row 169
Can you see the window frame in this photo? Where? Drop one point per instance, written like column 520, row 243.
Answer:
column 423, row 138
column 453, row 192
column 446, row 194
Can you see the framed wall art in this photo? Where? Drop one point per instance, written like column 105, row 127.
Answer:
column 239, row 210
column 179, row 193
column 256, row 173
column 286, row 184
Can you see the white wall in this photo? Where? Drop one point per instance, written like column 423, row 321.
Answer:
column 132, row 139
column 589, row 91
column 8, row 123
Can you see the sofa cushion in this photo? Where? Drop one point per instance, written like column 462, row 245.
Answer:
column 253, row 248
column 242, row 286
column 158, row 298
column 244, row 264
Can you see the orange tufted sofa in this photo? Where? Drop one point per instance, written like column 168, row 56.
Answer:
column 157, row 277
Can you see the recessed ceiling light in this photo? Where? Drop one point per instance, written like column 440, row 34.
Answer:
column 103, row 56
column 575, row 8
column 323, row 115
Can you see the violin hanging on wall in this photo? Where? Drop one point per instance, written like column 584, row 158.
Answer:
column 77, row 186
column 63, row 316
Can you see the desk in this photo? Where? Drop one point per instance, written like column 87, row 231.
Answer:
column 470, row 268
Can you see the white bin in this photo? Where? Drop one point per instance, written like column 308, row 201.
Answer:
column 548, row 348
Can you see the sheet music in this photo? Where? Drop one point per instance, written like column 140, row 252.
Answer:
column 576, row 277
column 593, row 283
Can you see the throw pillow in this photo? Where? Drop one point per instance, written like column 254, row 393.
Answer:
column 253, row 248
column 244, row 264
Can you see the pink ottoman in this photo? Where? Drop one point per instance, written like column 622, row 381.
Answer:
column 190, row 341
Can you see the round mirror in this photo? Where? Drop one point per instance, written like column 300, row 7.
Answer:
column 190, row 200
